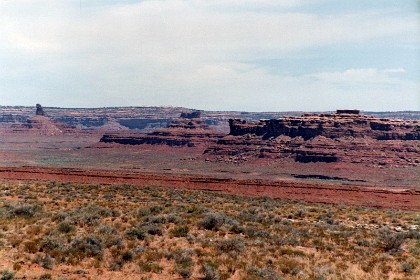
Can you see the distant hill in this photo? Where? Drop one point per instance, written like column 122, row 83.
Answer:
column 151, row 118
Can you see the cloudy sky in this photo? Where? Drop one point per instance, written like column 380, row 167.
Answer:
column 255, row 55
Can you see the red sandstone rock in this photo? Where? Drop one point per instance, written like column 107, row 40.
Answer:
column 188, row 130
column 346, row 136
column 40, row 124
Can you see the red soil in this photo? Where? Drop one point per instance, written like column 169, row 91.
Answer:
column 339, row 195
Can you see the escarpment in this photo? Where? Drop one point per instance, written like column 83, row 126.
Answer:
column 188, row 130
column 345, row 136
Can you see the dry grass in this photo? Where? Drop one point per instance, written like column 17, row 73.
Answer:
column 72, row 231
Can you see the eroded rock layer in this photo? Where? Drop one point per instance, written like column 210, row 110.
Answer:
column 344, row 136
column 40, row 124
column 188, row 130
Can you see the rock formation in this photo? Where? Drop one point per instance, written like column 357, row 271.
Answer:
column 152, row 118
column 41, row 125
column 329, row 125
column 39, row 110
column 188, row 130
column 344, row 136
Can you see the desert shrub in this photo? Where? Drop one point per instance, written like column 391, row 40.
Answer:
column 31, row 246
column 110, row 241
column 252, row 215
column 195, row 209
column 86, row 247
column 7, row 275
column 300, row 213
column 47, row 262
column 180, row 231
column 407, row 267
column 363, row 242
column 183, row 262
column 119, row 261
column 291, row 252
column 328, row 218
column 61, row 216
column 212, row 221
column 116, row 265
column 65, row 227
column 44, row 261
column 413, row 234
column 106, row 230
column 263, row 274
column 92, row 214
column 52, row 243
column 172, row 218
column 237, row 229
column 17, row 267
column 45, row 276
column 153, row 229
column 152, row 210
column 209, row 272
column 181, row 256
column 281, row 240
column 253, row 232
column 156, row 219
column 290, row 266
column 127, row 256
column 22, row 210
column 150, row 267
column 135, row 233
column 184, row 272
column 390, row 241
column 235, row 244
column 231, row 221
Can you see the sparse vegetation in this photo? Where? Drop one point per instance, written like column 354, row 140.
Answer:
column 145, row 232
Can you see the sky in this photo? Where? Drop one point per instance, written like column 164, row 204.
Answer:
column 242, row 55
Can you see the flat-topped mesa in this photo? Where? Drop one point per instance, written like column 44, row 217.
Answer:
column 329, row 137
column 188, row 130
column 354, row 112
column 331, row 126
column 189, row 121
column 191, row 115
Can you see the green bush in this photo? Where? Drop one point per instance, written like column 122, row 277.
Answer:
column 7, row 275
column 210, row 272
column 235, row 244
column 212, row 221
column 180, row 231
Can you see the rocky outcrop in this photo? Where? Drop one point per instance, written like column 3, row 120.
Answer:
column 328, row 125
column 192, row 115
column 152, row 118
column 315, row 156
column 40, row 124
column 39, row 110
column 345, row 136
column 355, row 112
column 188, row 130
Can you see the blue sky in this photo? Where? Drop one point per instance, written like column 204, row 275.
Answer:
column 254, row 55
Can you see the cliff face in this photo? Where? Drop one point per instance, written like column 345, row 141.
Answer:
column 40, row 124
column 148, row 118
column 344, row 136
column 330, row 126
column 188, row 130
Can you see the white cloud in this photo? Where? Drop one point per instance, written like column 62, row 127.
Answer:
column 361, row 76
column 255, row 89
column 395, row 70
column 190, row 53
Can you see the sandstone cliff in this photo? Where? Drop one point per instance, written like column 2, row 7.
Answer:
column 344, row 136
column 188, row 130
